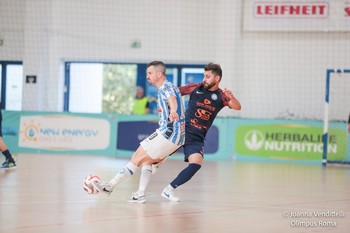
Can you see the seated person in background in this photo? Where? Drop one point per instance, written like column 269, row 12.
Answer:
column 141, row 104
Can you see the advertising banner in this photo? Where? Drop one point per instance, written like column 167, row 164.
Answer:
column 63, row 132
column 289, row 141
column 131, row 133
column 300, row 15
column 120, row 135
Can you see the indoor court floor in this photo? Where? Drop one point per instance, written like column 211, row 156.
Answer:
column 44, row 194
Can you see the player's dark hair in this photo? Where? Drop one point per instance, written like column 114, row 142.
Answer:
column 159, row 65
column 215, row 68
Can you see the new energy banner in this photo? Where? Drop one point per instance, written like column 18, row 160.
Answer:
column 63, row 132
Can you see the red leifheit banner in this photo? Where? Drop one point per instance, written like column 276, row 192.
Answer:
column 297, row 15
column 288, row 10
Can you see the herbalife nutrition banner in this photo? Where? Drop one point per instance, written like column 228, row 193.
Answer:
column 301, row 141
column 297, row 15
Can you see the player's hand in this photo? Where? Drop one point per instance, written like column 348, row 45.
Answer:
column 231, row 100
column 173, row 116
column 228, row 93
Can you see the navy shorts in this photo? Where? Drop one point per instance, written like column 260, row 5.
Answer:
column 194, row 143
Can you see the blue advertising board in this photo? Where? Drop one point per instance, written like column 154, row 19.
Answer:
column 130, row 134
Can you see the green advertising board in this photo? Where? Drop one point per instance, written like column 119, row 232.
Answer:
column 289, row 141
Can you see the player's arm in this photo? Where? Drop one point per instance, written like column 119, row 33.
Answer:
column 234, row 104
column 231, row 101
column 173, row 116
column 187, row 89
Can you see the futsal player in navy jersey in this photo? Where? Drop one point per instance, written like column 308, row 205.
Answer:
column 169, row 136
column 206, row 101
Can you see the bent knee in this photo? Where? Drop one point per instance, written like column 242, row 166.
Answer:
column 196, row 158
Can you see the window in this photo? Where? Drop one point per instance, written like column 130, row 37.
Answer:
column 11, row 82
column 111, row 87
column 98, row 87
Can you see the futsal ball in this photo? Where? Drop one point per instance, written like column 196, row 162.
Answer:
column 88, row 184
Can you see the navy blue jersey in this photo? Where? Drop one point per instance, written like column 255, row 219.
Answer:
column 203, row 107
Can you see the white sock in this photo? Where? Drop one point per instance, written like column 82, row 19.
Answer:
column 169, row 187
column 123, row 174
column 145, row 177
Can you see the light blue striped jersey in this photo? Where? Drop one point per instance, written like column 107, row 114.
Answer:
column 173, row 131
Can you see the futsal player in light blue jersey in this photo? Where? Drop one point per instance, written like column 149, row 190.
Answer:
column 165, row 140
column 170, row 130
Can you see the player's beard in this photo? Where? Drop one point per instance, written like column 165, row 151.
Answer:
column 207, row 86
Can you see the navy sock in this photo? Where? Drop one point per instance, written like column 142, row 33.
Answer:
column 8, row 155
column 185, row 175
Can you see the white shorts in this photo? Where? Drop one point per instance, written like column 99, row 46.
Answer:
column 157, row 146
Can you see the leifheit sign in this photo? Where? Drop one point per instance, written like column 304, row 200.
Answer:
column 297, row 15
column 288, row 10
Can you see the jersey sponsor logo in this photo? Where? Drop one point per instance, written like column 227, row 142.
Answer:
column 214, row 96
column 165, row 88
column 194, row 123
column 207, row 102
column 203, row 114
column 203, row 105
column 199, row 92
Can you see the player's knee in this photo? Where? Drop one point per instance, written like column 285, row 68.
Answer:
column 139, row 159
column 196, row 158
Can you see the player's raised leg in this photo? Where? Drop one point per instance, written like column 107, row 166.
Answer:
column 139, row 157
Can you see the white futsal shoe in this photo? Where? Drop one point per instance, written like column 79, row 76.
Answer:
column 103, row 187
column 138, row 197
column 169, row 194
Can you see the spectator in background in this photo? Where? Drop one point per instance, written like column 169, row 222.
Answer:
column 141, row 103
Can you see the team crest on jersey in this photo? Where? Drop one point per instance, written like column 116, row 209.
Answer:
column 214, row 96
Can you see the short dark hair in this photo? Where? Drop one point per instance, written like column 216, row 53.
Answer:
column 215, row 68
column 159, row 65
